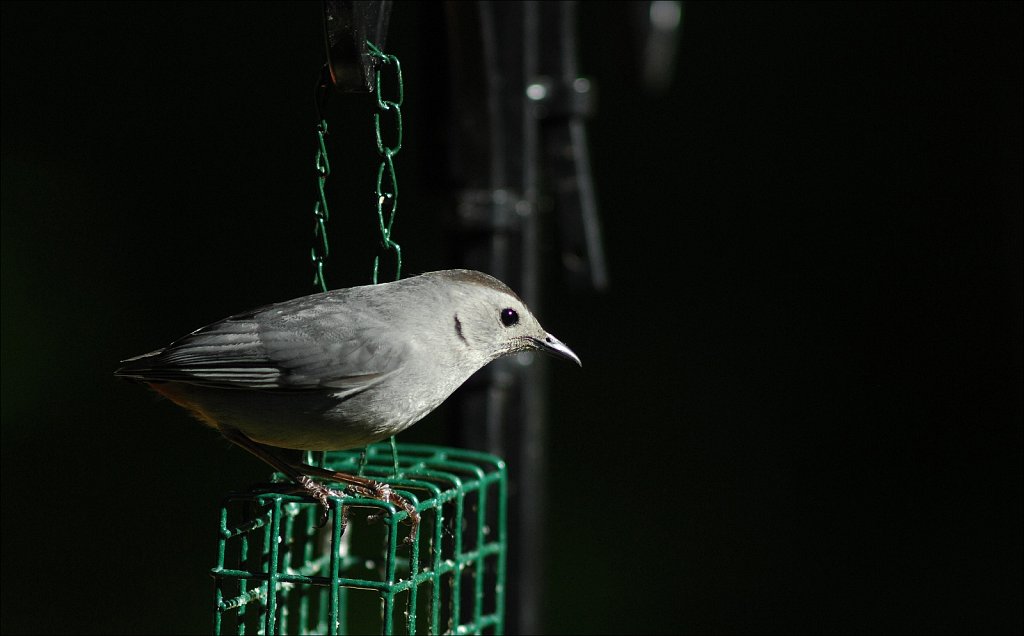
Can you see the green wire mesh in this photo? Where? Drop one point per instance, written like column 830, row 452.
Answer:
column 277, row 573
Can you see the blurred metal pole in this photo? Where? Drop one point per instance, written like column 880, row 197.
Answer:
column 518, row 106
column 493, row 53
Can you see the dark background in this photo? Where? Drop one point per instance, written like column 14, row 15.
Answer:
column 800, row 406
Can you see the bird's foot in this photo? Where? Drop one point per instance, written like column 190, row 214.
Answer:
column 320, row 492
column 383, row 492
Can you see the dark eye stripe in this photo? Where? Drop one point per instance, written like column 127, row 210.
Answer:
column 458, row 328
column 509, row 317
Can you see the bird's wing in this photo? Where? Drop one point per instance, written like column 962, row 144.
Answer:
column 278, row 348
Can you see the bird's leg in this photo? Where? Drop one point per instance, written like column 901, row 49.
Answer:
column 371, row 489
column 302, row 474
column 314, row 489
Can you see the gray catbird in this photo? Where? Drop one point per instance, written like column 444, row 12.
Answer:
column 343, row 368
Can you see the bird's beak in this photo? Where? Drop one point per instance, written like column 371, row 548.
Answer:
column 556, row 347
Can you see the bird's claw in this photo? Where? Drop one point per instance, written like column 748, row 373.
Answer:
column 320, row 492
column 374, row 490
column 383, row 492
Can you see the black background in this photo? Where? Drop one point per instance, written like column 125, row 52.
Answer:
column 800, row 406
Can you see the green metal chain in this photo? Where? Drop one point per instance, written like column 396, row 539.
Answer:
column 387, row 197
column 387, row 181
column 320, row 248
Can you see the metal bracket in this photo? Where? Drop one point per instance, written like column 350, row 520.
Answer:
column 347, row 27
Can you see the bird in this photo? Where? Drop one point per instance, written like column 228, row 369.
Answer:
column 342, row 368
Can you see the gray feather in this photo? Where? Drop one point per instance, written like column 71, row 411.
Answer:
column 345, row 367
column 337, row 347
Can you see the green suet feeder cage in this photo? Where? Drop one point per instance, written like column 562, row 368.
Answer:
column 364, row 571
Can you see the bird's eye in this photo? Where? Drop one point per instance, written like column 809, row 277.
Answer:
column 509, row 317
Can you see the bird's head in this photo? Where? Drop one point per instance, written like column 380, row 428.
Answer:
column 489, row 316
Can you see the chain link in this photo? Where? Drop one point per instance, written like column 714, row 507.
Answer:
column 387, row 185
column 387, row 181
column 321, row 249
column 387, row 197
